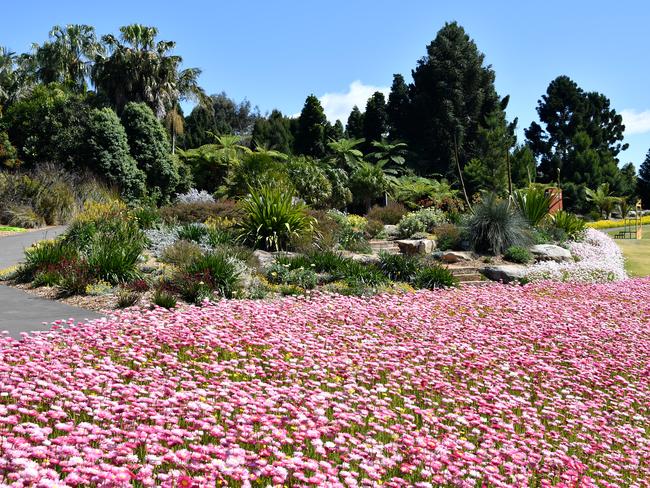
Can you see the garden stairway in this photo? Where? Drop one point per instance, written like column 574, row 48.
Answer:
column 468, row 276
column 378, row 245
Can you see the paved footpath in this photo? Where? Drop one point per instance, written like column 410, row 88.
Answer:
column 21, row 312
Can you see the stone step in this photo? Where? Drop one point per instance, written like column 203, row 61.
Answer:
column 464, row 278
column 464, row 270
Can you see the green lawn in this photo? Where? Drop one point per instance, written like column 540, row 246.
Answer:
column 637, row 253
column 6, row 228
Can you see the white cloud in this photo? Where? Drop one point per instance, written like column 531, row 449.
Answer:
column 636, row 122
column 337, row 106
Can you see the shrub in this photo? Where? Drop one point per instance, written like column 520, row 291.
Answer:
column 304, row 278
column 271, row 219
column 22, row 216
column 571, row 224
column 75, row 276
column 398, row 267
column 163, row 299
column 424, row 220
column 495, row 225
column 114, row 257
column 389, row 215
column 181, row 253
column 200, row 212
column 149, row 146
column 127, row 298
column 108, row 153
column 193, row 232
column 99, row 288
column 327, row 261
column 373, row 229
column 435, row 277
column 146, row 216
column 533, row 203
column 517, row 254
column 310, row 181
column 44, row 255
column 47, row 277
column 355, row 273
column 278, row 272
column 195, row 196
column 212, row 272
column 448, row 237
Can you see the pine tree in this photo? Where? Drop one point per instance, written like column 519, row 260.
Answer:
column 375, row 120
column 452, row 94
column 354, row 127
column 397, row 108
column 310, row 136
column 644, row 181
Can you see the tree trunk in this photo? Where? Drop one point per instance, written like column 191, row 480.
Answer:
column 460, row 174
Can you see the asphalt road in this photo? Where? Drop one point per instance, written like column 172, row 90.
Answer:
column 21, row 312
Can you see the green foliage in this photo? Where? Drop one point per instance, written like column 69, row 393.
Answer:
column 602, row 199
column 163, row 299
column 8, row 153
column 113, row 257
column 310, row 135
column 149, row 146
column 517, row 254
column 288, row 274
column 193, row 232
column 127, row 298
column 416, row 192
column 533, row 203
column 523, row 166
column 75, row 276
column 644, row 181
column 452, row 94
column 185, row 213
column 273, row 132
column 256, row 169
column 354, row 126
column 495, row 225
column 397, row 109
column 310, row 180
column 271, row 219
column 399, row 267
column 375, row 120
column 389, row 215
column 181, row 253
column 424, row 220
column 147, row 216
column 448, row 236
column 45, row 255
column 357, row 274
column 367, row 183
column 435, row 277
column 108, row 154
column 209, row 273
column 569, row 223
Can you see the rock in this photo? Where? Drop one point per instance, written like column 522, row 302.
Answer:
column 412, row 247
column 391, row 230
column 506, row 273
column 550, row 252
column 451, row 257
column 262, row 260
column 362, row 258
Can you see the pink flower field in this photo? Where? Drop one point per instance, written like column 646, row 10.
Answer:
column 533, row 386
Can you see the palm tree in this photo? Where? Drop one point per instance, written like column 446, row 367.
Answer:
column 15, row 78
column 346, row 155
column 175, row 124
column 68, row 56
column 602, row 199
column 230, row 148
column 139, row 68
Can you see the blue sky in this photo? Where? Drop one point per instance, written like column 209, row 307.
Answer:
column 275, row 53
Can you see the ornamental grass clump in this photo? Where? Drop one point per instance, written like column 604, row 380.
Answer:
column 495, row 225
column 272, row 219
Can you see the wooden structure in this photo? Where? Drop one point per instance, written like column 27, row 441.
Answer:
column 632, row 228
column 556, row 199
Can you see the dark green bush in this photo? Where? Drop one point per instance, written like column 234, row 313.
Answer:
column 44, row 256
column 533, row 203
column 127, row 298
column 495, row 225
column 355, row 273
column 75, row 276
column 398, row 267
column 435, row 277
column 271, row 219
column 278, row 272
column 373, row 229
column 517, row 254
column 146, row 216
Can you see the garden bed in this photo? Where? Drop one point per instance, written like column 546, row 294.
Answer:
column 504, row 386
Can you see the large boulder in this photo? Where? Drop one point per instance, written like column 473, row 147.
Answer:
column 413, row 247
column 452, row 257
column 506, row 273
column 550, row 252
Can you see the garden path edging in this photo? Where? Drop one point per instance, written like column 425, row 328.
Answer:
column 21, row 312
